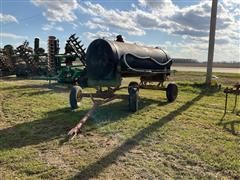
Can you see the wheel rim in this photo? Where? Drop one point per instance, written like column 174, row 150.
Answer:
column 79, row 97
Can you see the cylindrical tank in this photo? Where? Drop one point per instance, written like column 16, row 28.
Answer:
column 107, row 60
column 36, row 44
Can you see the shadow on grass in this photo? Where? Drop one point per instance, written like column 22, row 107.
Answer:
column 58, row 123
column 56, row 87
column 94, row 169
column 36, row 93
column 37, row 89
column 194, row 85
column 29, row 133
column 230, row 126
column 11, row 78
column 198, row 88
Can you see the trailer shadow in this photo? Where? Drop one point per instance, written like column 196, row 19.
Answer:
column 230, row 126
column 58, row 123
column 97, row 167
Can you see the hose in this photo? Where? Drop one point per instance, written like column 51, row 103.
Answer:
column 152, row 59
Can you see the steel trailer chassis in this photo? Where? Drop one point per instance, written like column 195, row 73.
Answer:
column 108, row 95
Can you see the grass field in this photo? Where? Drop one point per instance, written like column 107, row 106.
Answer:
column 188, row 138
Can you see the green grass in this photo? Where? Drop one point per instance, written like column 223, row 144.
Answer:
column 184, row 139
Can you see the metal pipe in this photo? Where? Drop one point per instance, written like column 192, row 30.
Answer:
column 235, row 104
column 226, row 99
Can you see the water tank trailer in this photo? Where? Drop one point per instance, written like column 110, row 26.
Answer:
column 108, row 62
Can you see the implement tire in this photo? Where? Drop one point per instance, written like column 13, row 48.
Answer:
column 133, row 97
column 171, row 92
column 75, row 97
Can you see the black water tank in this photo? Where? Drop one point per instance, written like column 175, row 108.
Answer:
column 105, row 58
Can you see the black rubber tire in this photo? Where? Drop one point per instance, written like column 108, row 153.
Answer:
column 75, row 97
column 171, row 92
column 133, row 99
column 133, row 84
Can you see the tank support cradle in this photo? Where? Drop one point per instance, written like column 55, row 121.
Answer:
column 106, row 94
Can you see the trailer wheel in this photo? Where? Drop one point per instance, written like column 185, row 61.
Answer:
column 75, row 97
column 171, row 92
column 133, row 97
column 133, row 84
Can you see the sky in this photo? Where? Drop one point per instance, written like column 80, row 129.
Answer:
column 181, row 27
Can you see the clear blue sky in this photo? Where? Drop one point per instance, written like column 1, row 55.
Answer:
column 181, row 27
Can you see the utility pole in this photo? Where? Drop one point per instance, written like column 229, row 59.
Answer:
column 211, row 41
